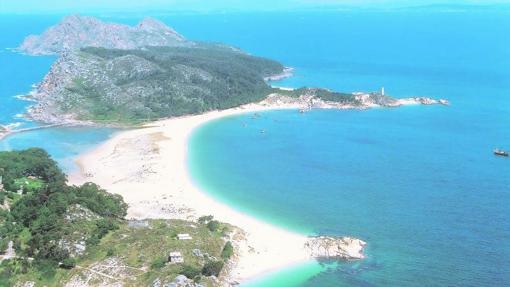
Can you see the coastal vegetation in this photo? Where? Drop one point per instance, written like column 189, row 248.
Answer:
column 319, row 93
column 132, row 86
column 52, row 233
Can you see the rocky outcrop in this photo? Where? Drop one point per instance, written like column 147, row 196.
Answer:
column 25, row 284
column 422, row 101
column 375, row 99
column 8, row 253
column 76, row 31
column 103, row 273
column 287, row 72
column 324, row 99
column 335, row 247
column 179, row 281
column 77, row 212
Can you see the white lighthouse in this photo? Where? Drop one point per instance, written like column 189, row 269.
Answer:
column 382, row 91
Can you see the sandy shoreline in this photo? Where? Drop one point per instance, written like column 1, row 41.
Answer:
column 148, row 167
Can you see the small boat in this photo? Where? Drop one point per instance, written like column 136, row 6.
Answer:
column 500, row 152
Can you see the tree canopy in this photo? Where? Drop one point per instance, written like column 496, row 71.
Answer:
column 38, row 220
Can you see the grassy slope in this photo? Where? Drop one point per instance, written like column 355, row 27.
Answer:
column 138, row 248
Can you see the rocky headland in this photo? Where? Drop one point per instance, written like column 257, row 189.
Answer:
column 75, row 32
column 313, row 98
column 114, row 74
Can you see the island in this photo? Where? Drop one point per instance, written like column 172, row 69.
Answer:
column 111, row 73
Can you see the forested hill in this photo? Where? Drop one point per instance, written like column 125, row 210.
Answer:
column 125, row 86
column 43, row 221
column 53, row 234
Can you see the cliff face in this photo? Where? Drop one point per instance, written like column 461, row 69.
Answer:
column 75, row 32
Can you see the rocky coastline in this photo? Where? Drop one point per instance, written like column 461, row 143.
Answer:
column 306, row 102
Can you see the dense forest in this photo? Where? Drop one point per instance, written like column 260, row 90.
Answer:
column 36, row 201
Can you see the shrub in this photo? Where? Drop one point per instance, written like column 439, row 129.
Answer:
column 228, row 251
column 158, row 263
column 205, row 219
column 3, row 245
column 99, row 201
column 68, row 263
column 190, row 271
column 110, row 252
column 46, row 268
column 93, row 240
column 103, row 226
column 212, row 268
column 213, row 225
column 197, row 279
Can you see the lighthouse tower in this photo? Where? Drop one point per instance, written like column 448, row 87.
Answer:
column 382, row 91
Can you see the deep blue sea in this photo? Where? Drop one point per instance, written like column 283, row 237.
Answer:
column 420, row 184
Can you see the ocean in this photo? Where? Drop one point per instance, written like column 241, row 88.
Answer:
column 419, row 183
column 18, row 73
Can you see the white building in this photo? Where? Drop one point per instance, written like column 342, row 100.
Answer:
column 184, row 236
column 175, row 257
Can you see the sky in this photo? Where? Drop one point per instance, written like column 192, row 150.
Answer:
column 88, row 6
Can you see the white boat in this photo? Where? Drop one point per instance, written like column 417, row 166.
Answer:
column 500, row 152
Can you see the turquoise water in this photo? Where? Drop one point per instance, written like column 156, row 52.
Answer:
column 18, row 73
column 419, row 183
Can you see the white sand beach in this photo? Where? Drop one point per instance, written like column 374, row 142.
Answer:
column 148, row 168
